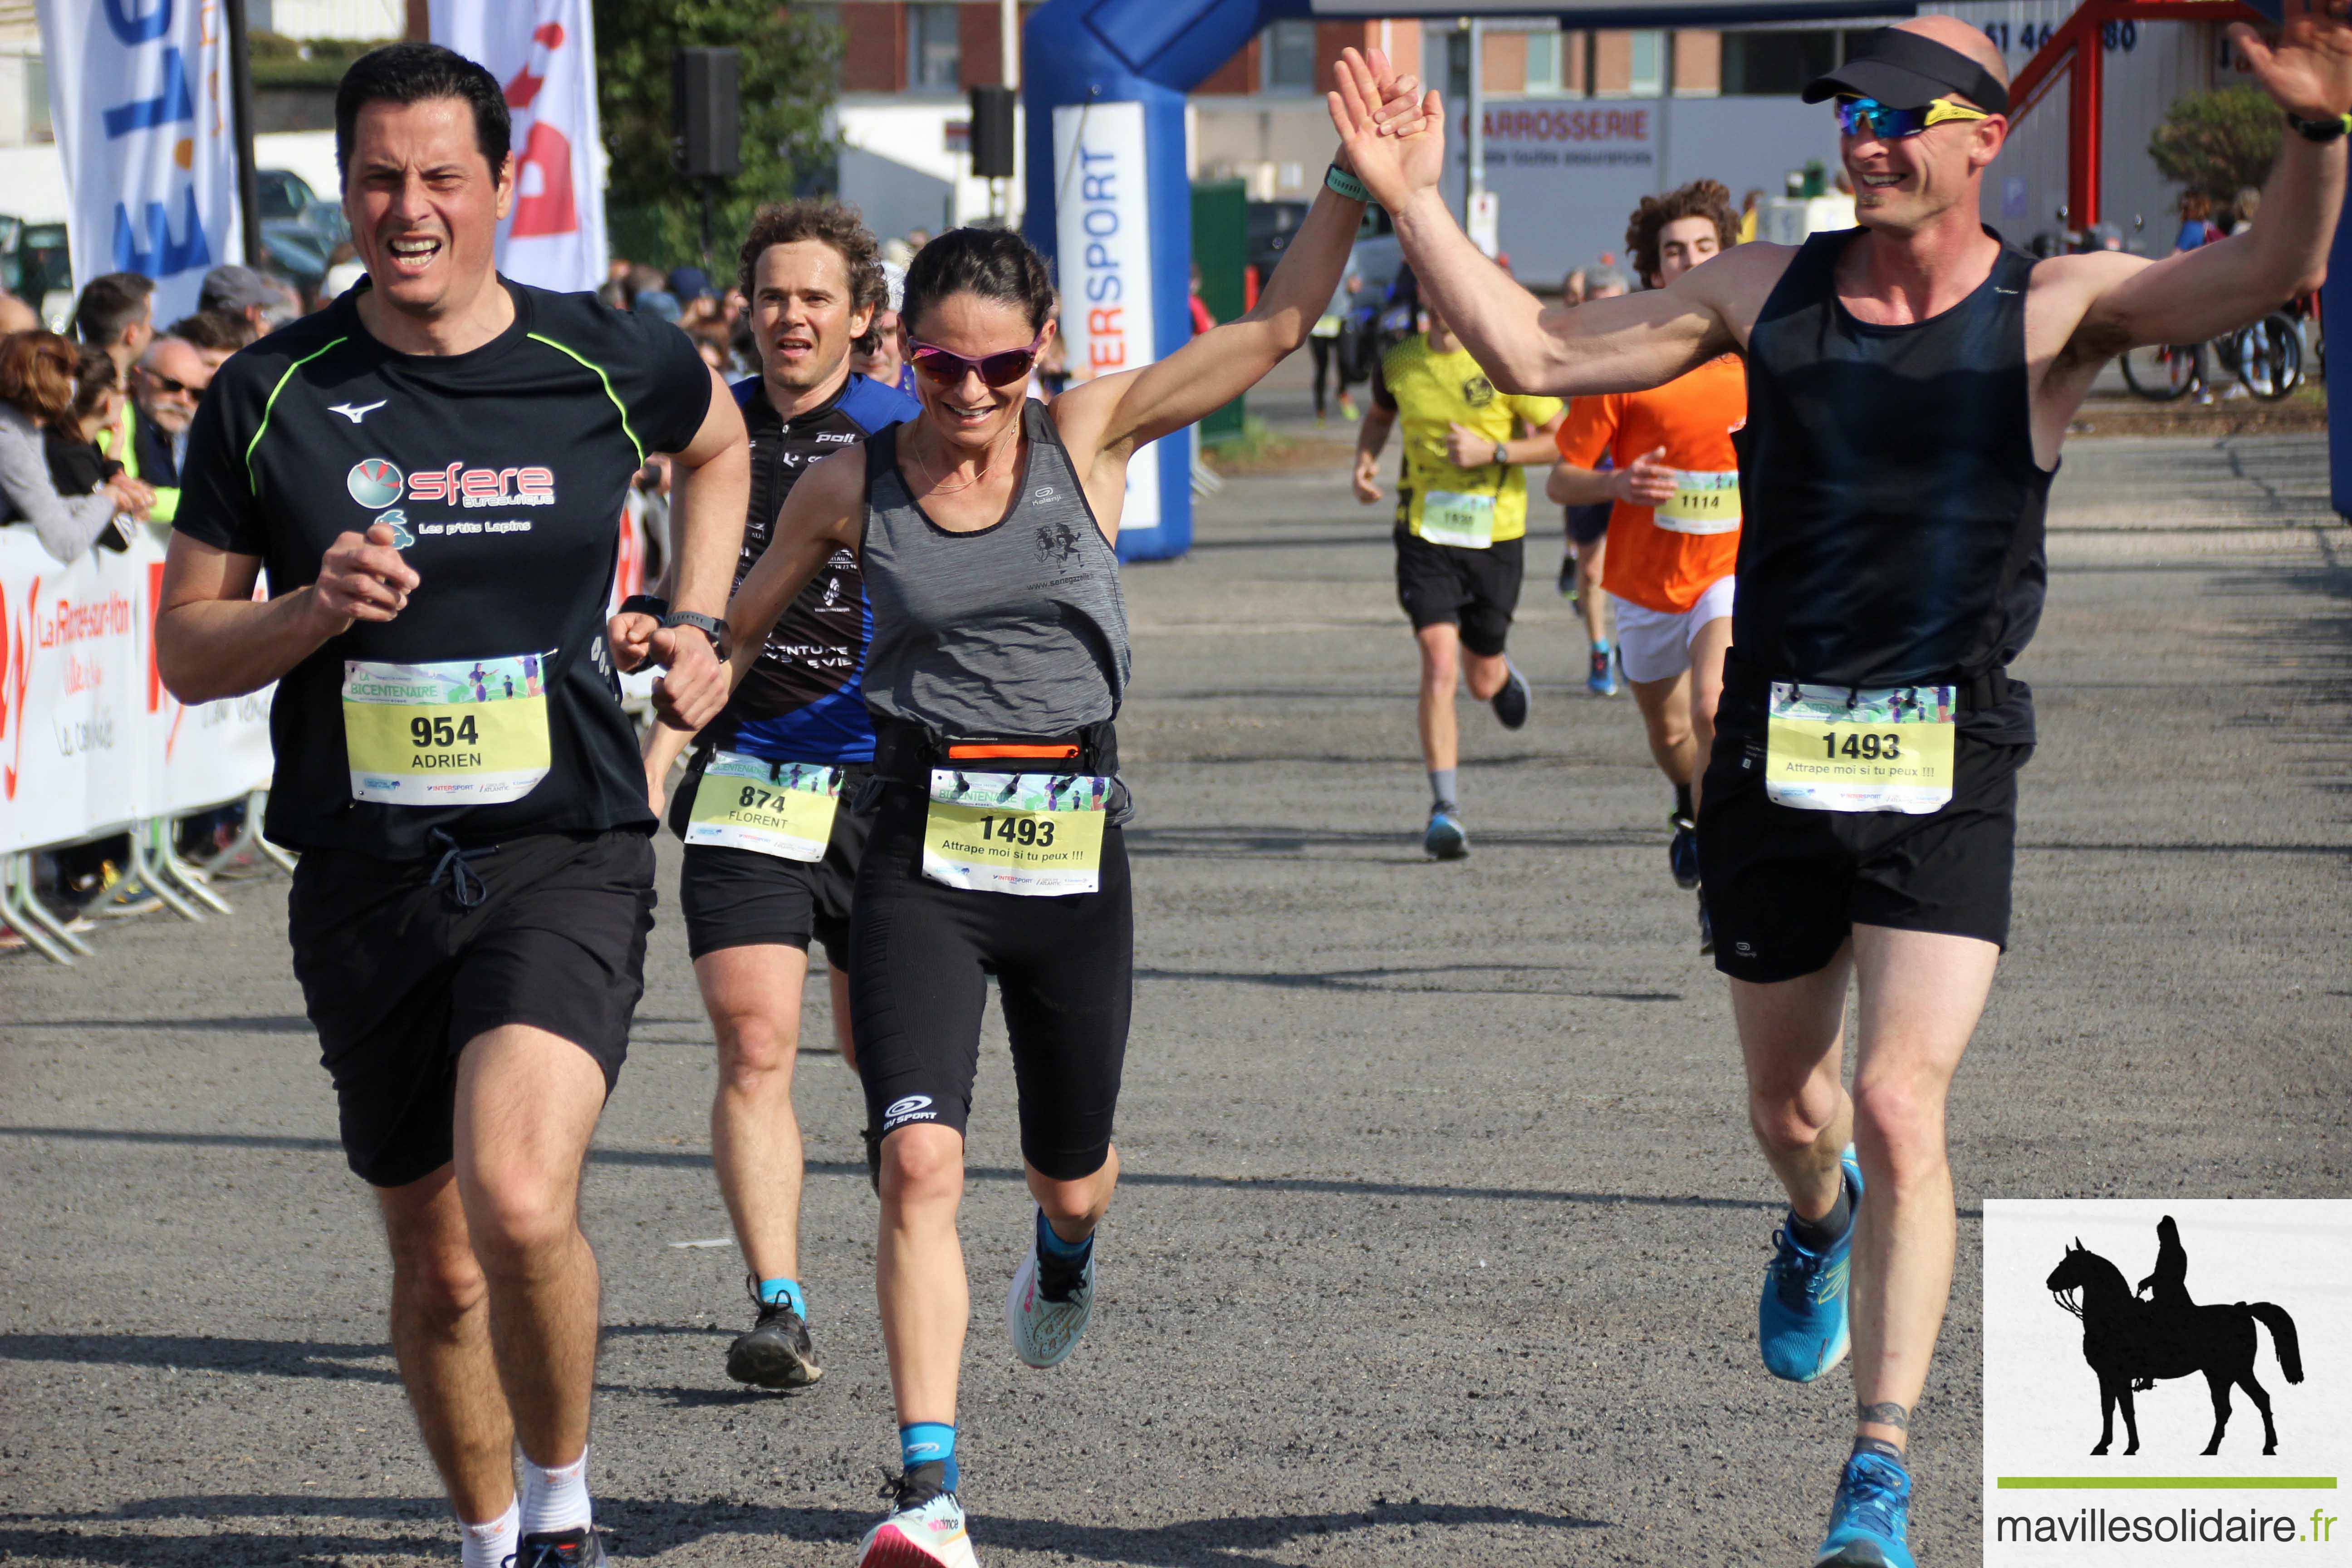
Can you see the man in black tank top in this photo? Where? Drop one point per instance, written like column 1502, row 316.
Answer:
column 1908, row 384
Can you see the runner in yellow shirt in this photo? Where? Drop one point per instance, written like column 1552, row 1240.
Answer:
column 1461, row 527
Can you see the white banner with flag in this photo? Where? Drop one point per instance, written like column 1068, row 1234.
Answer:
column 543, row 53
column 137, row 92
column 1102, row 221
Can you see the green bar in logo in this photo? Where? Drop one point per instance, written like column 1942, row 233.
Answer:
column 2166, row 1483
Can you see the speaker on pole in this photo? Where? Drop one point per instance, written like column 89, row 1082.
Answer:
column 992, row 132
column 706, row 112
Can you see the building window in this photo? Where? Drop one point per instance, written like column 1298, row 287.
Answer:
column 1648, row 77
column 1289, row 57
column 1545, row 52
column 934, row 49
column 1776, row 64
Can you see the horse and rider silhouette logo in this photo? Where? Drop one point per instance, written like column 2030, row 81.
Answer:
column 2133, row 1343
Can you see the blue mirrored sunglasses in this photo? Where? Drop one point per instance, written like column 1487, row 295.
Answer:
column 1868, row 117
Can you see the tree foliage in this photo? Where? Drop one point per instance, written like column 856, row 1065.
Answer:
column 2219, row 140
column 791, row 62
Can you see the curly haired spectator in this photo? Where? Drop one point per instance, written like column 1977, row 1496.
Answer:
column 39, row 384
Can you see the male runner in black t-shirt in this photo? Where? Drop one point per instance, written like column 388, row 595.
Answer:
column 769, row 807
column 1910, row 382
column 432, row 470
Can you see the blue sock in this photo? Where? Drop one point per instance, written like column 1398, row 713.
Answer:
column 925, row 1442
column 788, row 1292
column 1050, row 1245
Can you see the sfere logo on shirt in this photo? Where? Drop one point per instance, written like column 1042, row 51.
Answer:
column 377, row 483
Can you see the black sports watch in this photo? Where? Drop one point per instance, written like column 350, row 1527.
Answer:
column 710, row 626
column 1502, row 455
column 2320, row 130
column 644, row 604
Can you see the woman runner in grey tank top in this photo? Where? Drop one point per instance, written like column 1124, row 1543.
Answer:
column 986, row 528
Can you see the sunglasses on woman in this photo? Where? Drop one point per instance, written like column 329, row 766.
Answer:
column 1868, row 117
column 948, row 367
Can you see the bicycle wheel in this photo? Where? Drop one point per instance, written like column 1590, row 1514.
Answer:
column 2270, row 356
column 2161, row 372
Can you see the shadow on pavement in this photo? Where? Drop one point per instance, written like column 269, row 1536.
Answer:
column 639, row 1528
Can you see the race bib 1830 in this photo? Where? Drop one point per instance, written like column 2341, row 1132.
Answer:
column 468, row 733
column 1465, row 521
column 1034, row 834
column 1832, row 748
column 784, row 809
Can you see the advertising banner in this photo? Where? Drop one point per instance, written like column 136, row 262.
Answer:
column 198, row 756
column 544, row 53
column 90, row 740
column 139, row 96
column 1102, row 212
column 1565, row 174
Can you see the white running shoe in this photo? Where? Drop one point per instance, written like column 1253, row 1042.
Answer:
column 1047, row 1308
column 924, row 1528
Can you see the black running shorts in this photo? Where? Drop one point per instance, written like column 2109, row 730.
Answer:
column 1589, row 525
column 1785, row 885
column 741, row 898
column 919, row 962
column 398, row 977
column 1475, row 590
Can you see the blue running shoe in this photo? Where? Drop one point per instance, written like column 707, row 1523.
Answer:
column 1601, row 682
column 1682, row 852
column 1870, row 1518
column 1447, row 838
column 1800, row 1323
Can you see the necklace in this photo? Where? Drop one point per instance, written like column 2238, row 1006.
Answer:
column 938, row 486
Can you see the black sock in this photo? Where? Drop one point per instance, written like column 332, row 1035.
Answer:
column 1882, row 1447
column 1821, row 1235
column 1683, row 801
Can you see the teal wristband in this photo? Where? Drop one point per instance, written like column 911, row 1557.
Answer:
column 1344, row 184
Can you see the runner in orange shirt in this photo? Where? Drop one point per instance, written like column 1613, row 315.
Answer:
column 1674, row 531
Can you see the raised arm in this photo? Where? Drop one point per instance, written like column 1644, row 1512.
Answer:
column 1613, row 345
column 2222, row 287
column 1118, row 412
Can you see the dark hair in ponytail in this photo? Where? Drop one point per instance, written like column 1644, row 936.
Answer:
column 994, row 263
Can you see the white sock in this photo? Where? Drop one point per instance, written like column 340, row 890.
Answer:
column 557, row 1500
column 490, row 1545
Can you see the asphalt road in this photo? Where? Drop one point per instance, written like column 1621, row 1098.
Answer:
column 1441, row 1231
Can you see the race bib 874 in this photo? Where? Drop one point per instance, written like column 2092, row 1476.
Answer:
column 784, row 809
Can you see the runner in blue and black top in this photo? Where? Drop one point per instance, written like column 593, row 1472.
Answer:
column 768, row 806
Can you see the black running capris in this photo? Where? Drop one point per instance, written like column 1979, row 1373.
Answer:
column 920, row 953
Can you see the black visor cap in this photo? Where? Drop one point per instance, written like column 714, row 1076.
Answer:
column 1904, row 71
